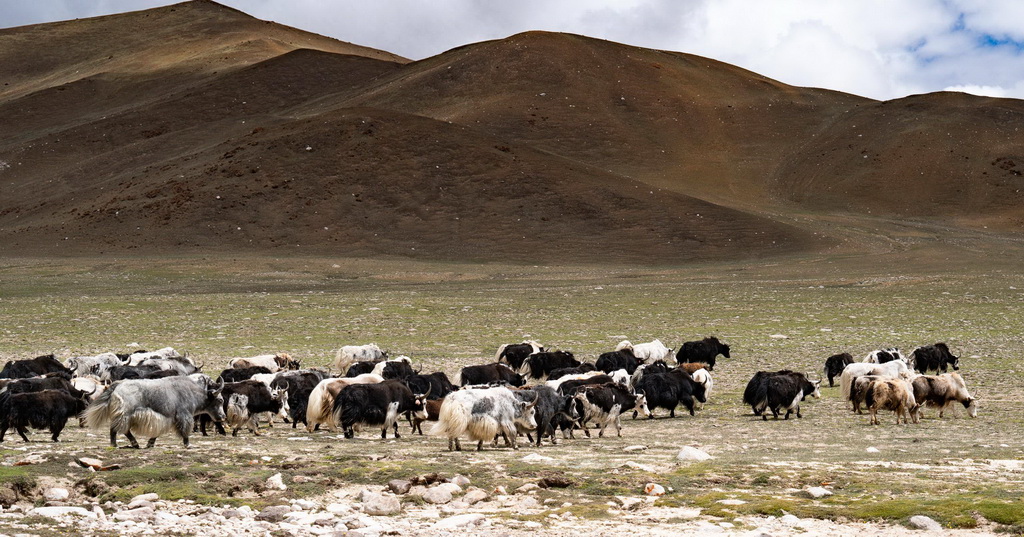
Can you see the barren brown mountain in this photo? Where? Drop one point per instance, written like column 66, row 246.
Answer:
column 196, row 128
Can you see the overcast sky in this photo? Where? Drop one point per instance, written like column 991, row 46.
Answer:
column 881, row 49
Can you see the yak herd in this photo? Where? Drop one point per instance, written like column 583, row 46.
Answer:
column 527, row 390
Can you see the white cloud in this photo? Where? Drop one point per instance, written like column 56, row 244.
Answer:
column 875, row 48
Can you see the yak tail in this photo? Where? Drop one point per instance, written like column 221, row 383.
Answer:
column 624, row 344
column 846, row 383
column 501, row 351
column 342, row 361
column 452, row 420
column 869, row 395
column 526, row 367
column 760, row 402
column 101, row 411
column 320, row 406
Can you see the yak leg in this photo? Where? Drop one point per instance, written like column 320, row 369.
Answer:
column 55, row 430
column 21, row 433
column 132, row 440
column 152, row 442
column 3, row 431
column 480, row 445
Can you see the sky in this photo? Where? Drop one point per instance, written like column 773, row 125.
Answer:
column 881, row 49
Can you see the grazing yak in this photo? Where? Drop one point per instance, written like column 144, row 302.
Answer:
column 883, row 356
column 35, row 367
column 893, row 369
column 935, row 358
column 349, row 354
column 153, row 407
column 46, row 409
column 894, row 394
column 646, row 352
column 618, row 359
column 93, row 365
column 541, row 364
column 551, row 410
column 835, row 364
column 274, row 362
column 704, row 351
column 514, row 354
column 395, row 368
column 473, row 375
column 320, row 405
column 483, row 414
column 606, row 403
column 669, row 390
column 780, row 390
column 941, row 391
column 585, row 367
column 377, row 404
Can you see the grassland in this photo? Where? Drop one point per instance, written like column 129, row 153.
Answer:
column 960, row 471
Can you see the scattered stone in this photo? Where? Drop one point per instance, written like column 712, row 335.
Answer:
column 922, row 522
column 100, row 515
column 460, row 480
column 450, row 487
column 779, row 336
column 274, row 513
column 641, row 467
column 437, row 495
column 151, row 497
column 501, row 490
column 527, row 488
column 654, row 489
column 731, row 501
column 818, row 492
column 276, row 482
column 459, row 521
column 142, row 514
column 789, row 520
column 399, row 486
column 54, row 512
column 536, row 457
column 379, row 505
column 872, row 450
column 56, row 494
column 629, row 503
column 475, row 495
column 631, row 449
column 303, row 504
column 302, row 479
column 556, row 483
column 96, row 464
column 689, row 453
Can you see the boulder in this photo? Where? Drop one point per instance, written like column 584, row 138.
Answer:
column 459, row 521
column 818, row 492
column 56, row 494
column 276, row 482
column 437, row 495
column 689, row 453
column 922, row 522
column 399, row 486
column 475, row 495
column 380, row 505
column 274, row 513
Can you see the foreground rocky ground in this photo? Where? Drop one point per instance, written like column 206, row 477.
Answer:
column 442, row 509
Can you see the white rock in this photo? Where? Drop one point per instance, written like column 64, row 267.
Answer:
column 54, row 512
column 303, row 504
column 731, row 501
column 629, row 503
column 925, row 523
column 630, row 449
column 536, row 457
column 276, row 482
column 100, row 515
column 779, row 336
column 872, row 450
column 789, row 520
column 641, row 467
column 452, row 488
column 142, row 513
column 459, row 521
column 56, row 494
column 377, row 504
column 689, row 453
column 527, row 488
column 474, row 495
column 460, row 480
column 818, row 492
column 151, row 497
column 338, row 508
column 438, row 495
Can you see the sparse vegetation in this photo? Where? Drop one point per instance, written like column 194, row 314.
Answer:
column 938, row 468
